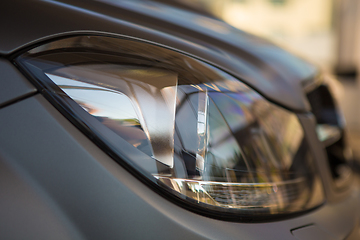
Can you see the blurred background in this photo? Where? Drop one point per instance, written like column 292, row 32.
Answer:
column 325, row 32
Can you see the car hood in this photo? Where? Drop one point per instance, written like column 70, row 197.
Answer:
column 275, row 73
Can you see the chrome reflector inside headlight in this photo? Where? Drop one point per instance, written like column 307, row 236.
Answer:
column 202, row 134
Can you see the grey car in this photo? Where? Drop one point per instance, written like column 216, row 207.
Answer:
column 145, row 120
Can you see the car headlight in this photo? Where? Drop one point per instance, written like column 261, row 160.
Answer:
column 191, row 128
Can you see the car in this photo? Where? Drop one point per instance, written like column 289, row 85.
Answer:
column 145, row 120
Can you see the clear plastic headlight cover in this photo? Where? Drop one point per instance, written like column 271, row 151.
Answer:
column 189, row 127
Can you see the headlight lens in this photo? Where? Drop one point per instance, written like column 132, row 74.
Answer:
column 198, row 131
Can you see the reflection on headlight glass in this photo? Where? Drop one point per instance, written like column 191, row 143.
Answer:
column 209, row 136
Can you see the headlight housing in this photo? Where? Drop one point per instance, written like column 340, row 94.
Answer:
column 331, row 130
column 187, row 126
